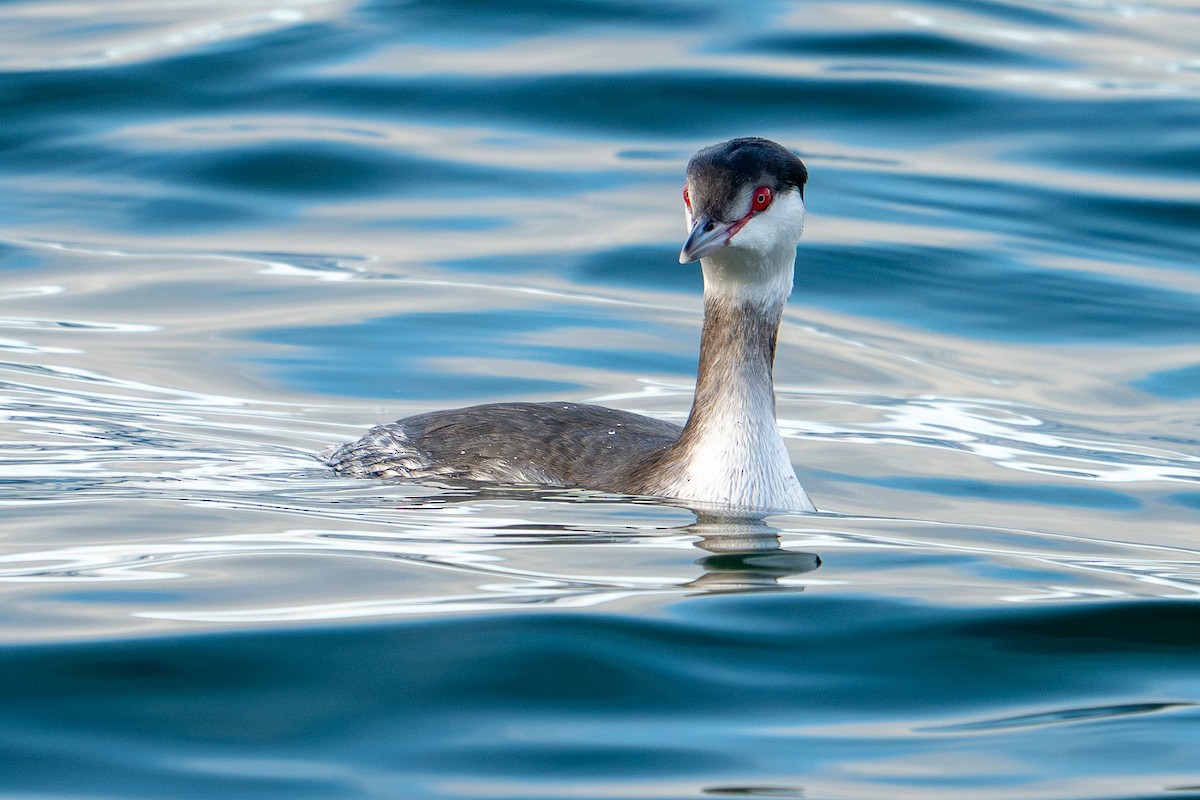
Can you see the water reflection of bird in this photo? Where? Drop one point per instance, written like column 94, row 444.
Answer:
column 745, row 555
column 745, row 208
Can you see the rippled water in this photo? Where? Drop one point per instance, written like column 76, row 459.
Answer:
column 234, row 232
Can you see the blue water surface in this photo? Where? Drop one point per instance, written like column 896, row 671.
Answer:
column 233, row 233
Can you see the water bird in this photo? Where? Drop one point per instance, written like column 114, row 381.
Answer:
column 744, row 200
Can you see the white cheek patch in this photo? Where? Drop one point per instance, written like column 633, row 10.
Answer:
column 760, row 259
column 782, row 222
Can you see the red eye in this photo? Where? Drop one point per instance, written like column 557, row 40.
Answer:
column 762, row 198
column 687, row 198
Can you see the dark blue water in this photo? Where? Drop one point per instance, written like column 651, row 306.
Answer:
column 232, row 233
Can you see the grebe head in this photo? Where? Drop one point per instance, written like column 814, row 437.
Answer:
column 745, row 208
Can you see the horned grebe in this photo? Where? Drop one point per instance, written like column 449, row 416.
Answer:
column 745, row 209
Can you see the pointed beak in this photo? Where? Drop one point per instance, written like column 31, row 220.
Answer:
column 707, row 236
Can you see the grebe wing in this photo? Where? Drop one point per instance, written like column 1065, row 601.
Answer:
column 569, row 444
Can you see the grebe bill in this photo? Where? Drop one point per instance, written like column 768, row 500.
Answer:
column 745, row 209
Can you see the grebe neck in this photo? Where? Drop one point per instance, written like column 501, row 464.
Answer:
column 730, row 451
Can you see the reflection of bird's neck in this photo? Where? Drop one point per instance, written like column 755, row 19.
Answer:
column 745, row 555
column 719, row 535
column 731, row 443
